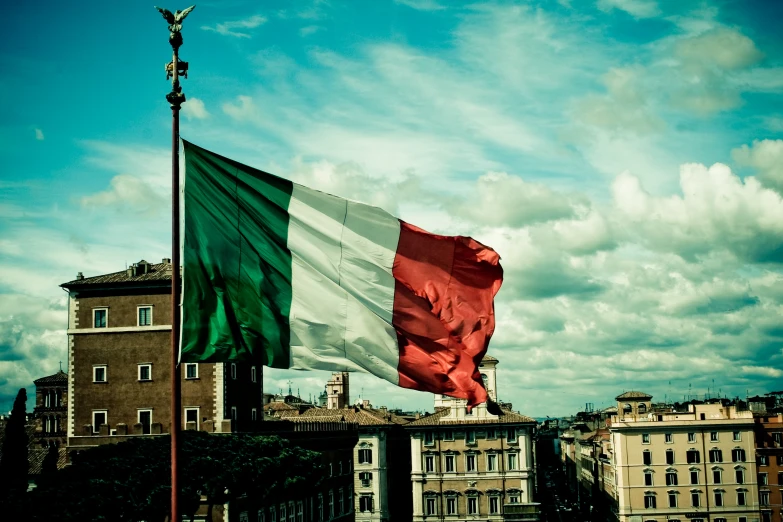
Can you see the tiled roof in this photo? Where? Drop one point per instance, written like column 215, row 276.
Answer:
column 157, row 272
column 489, row 358
column 279, row 406
column 35, row 454
column 361, row 416
column 58, row 378
column 632, row 395
column 506, row 417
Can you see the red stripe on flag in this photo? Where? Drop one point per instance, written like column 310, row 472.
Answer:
column 443, row 311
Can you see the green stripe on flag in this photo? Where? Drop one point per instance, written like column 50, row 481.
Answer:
column 236, row 262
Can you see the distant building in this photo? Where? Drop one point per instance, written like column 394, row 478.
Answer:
column 697, row 464
column 51, row 410
column 119, row 332
column 769, row 461
column 472, row 465
column 337, row 391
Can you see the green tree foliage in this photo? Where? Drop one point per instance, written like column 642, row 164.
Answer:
column 130, row 481
column 14, row 464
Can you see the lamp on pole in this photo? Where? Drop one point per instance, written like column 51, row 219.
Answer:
column 176, row 98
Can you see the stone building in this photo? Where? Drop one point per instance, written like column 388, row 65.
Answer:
column 51, row 410
column 769, row 461
column 695, row 465
column 472, row 465
column 119, row 371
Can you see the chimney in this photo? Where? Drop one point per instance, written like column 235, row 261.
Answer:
column 166, row 260
column 79, row 276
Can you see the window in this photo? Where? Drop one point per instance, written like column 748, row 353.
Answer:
column 740, row 498
column 449, row 463
column 513, row 499
column 282, row 513
column 291, row 513
column 763, row 481
column 261, row 515
column 716, row 476
column 340, row 502
column 512, row 461
column 694, row 477
column 365, row 478
column 763, row 460
column 365, row 456
column 448, row 435
column 98, row 418
column 777, row 437
column 649, row 501
column 743, row 519
column 648, row 478
column 451, row 506
column 145, row 419
column 647, row 457
column 145, row 372
column 331, row 504
column 234, row 372
column 692, row 456
column 716, row 455
column 99, row 373
column 672, row 500
column 320, row 507
column 491, row 434
column 718, row 498
column 738, row 455
column 671, row 478
column 272, row 514
column 780, row 478
column 714, row 436
column 431, row 506
column 736, row 436
column 429, row 464
column 191, row 415
column 695, row 499
column 253, row 414
column 191, row 370
column 472, row 505
column 642, row 408
column 470, row 437
column 512, row 435
column 764, row 498
column 668, row 438
column 429, row 438
column 669, row 456
column 691, row 437
column 299, row 512
column 144, row 316
column 100, row 317
column 494, row 505
column 780, row 459
column 492, row 462
column 253, row 373
column 470, row 463
column 739, row 475
column 645, row 438
column 365, row 503
column 233, row 413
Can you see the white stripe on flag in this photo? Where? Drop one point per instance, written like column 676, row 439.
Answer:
column 343, row 296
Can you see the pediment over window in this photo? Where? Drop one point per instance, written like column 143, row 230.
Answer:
column 693, row 468
column 671, row 470
column 430, row 493
column 716, row 468
column 452, row 492
column 472, row 452
column 494, row 491
column 365, row 444
column 513, row 490
column 450, row 452
column 739, row 466
column 472, row 491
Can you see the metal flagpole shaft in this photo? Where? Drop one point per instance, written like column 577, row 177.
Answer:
column 175, row 98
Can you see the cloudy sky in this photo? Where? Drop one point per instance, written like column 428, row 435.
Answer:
column 624, row 157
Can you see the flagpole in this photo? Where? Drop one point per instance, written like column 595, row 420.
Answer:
column 175, row 98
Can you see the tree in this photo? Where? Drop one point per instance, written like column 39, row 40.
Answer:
column 130, row 481
column 13, row 463
column 49, row 464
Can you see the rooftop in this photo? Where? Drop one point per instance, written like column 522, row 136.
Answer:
column 505, row 417
column 359, row 415
column 633, row 395
column 58, row 378
column 141, row 272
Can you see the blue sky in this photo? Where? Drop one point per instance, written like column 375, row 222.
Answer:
column 623, row 156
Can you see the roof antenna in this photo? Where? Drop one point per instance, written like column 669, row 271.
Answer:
column 61, row 366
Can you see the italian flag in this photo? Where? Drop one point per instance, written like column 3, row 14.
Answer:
column 290, row 277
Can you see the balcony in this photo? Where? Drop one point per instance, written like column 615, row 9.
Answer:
column 521, row 512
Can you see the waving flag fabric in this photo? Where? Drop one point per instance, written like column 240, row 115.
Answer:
column 290, row 277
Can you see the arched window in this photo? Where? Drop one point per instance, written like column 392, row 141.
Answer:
column 642, row 408
column 627, row 408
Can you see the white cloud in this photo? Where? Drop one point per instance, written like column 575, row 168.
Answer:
column 308, row 30
column 722, row 47
column 39, row 135
column 228, row 28
column 766, row 157
column 127, row 192
column 194, row 109
column 422, row 5
column 635, row 8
